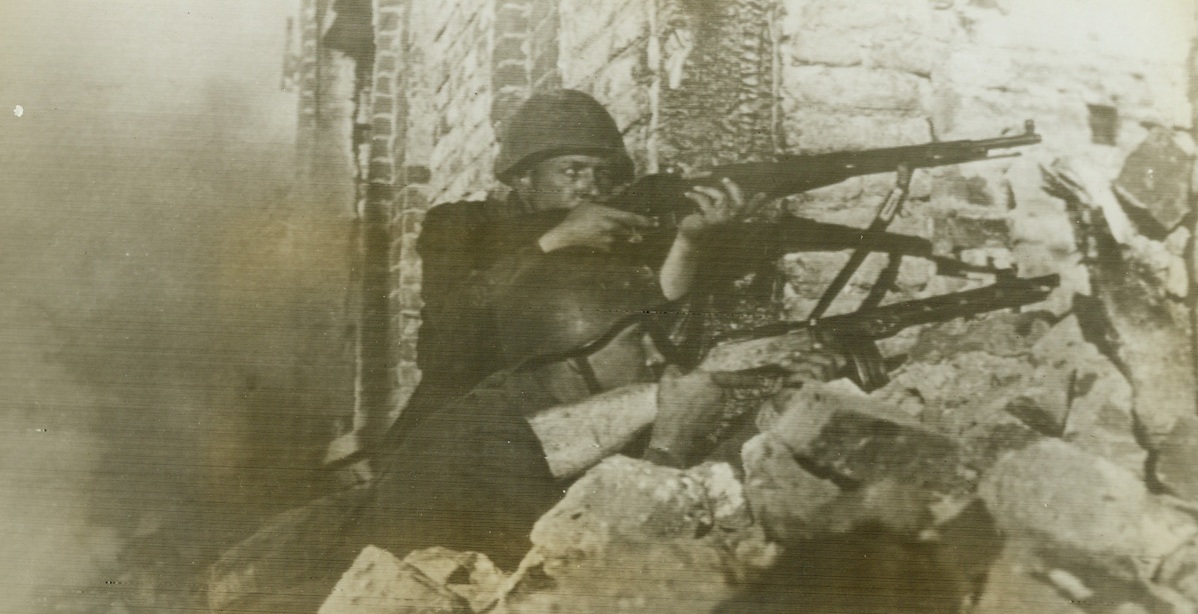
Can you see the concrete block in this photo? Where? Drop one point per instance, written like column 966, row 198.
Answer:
column 1099, row 404
column 1150, row 335
column 856, row 88
column 918, row 52
column 470, row 575
column 407, row 350
column 860, row 440
column 879, row 16
column 980, row 67
column 1013, row 587
column 379, row 582
column 629, row 536
column 983, row 398
column 628, row 499
column 1177, row 460
column 825, row 47
column 813, row 131
column 1179, row 571
column 1082, row 506
column 785, row 498
column 1114, row 29
column 1155, row 182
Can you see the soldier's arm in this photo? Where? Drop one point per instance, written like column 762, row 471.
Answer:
column 716, row 207
column 576, row 436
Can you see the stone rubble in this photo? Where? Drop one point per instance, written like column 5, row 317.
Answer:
column 379, row 582
column 622, row 534
column 1000, row 469
column 1175, row 468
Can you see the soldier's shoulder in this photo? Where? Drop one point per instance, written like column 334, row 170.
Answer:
column 457, row 208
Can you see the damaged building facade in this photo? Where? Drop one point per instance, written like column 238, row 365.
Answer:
column 1073, row 424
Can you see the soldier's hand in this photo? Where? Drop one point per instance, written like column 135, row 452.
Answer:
column 820, row 363
column 688, row 405
column 717, row 206
column 596, row 226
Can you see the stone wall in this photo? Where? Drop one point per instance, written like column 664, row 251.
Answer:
column 694, row 82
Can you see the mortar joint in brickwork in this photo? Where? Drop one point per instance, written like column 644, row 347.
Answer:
column 511, row 35
column 511, row 9
column 384, row 7
column 521, row 63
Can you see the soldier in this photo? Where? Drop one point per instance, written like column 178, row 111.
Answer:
column 563, row 157
column 475, row 475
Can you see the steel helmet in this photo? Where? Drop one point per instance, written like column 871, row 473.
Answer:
column 549, row 304
column 560, row 122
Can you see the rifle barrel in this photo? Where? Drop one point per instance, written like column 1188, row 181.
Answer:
column 660, row 195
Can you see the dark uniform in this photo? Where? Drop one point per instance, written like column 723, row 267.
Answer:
column 471, row 476
column 460, row 242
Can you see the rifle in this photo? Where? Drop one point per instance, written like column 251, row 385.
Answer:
column 660, row 195
column 854, row 334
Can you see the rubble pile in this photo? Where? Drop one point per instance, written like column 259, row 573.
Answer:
column 999, row 472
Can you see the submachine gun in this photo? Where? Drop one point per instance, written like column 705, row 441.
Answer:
column 661, row 197
column 854, row 334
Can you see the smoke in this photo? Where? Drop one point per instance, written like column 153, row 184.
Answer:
column 172, row 347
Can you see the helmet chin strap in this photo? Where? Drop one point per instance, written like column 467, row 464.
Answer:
column 583, row 367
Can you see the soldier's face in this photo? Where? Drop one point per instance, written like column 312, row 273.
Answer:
column 564, row 182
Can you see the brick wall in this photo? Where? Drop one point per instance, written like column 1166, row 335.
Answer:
column 693, row 82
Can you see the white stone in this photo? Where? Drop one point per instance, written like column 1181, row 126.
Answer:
column 977, row 66
column 1099, row 414
column 483, row 579
column 1118, row 28
column 380, row 583
column 631, row 536
column 855, row 88
column 1066, row 498
column 824, row 46
column 784, row 497
column 819, row 132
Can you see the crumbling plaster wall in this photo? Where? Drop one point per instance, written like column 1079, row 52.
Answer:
column 694, row 82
